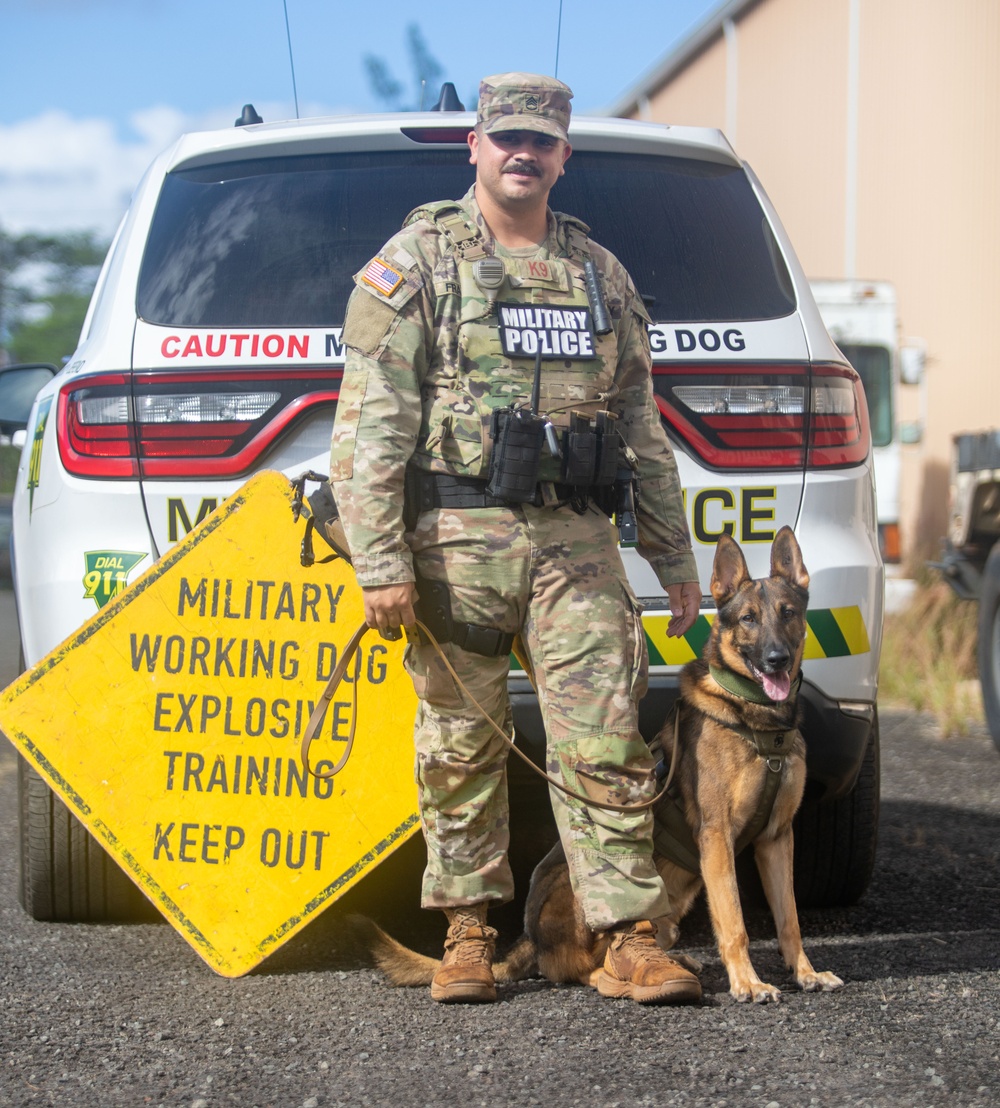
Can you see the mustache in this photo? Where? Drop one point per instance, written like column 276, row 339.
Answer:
column 523, row 169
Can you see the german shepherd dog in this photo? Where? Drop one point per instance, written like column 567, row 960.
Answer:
column 736, row 729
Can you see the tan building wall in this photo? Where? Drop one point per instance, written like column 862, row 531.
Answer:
column 917, row 203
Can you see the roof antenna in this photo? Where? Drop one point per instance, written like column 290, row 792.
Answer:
column 558, row 37
column 448, row 101
column 248, row 116
column 291, row 60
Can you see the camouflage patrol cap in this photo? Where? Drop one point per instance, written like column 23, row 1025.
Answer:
column 524, row 102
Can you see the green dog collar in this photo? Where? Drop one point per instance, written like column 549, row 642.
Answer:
column 746, row 687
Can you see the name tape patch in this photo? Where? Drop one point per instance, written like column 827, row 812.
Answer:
column 382, row 277
column 556, row 332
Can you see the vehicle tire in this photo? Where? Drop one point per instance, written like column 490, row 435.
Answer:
column 66, row 875
column 988, row 646
column 835, row 840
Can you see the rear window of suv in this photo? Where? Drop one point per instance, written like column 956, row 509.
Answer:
column 274, row 242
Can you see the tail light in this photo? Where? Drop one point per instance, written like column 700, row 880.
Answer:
column 455, row 136
column 182, row 425
column 780, row 417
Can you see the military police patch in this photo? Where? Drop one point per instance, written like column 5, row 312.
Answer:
column 548, row 329
column 382, row 277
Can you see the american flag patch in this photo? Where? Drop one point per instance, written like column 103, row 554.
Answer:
column 383, row 278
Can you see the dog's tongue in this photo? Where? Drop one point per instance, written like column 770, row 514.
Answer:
column 777, row 685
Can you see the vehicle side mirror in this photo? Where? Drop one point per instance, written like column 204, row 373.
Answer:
column 19, row 384
column 912, row 359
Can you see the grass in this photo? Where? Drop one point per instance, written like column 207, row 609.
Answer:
column 9, row 456
column 929, row 658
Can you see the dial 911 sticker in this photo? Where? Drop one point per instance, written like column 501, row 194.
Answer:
column 106, row 573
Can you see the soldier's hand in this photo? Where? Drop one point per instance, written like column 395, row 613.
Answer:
column 685, row 603
column 390, row 607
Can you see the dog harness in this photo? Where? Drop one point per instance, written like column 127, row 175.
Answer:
column 671, row 834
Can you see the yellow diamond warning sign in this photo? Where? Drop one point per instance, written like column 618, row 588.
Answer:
column 171, row 723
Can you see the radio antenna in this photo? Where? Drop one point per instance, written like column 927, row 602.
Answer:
column 291, row 59
column 558, row 37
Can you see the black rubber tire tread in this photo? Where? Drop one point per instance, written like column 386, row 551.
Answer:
column 836, row 841
column 988, row 645
column 66, row 875
column 34, row 823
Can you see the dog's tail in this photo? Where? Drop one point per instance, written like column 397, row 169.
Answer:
column 521, row 962
column 408, row 968
column 400, row 965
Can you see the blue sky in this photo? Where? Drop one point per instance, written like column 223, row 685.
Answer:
column 92, row 90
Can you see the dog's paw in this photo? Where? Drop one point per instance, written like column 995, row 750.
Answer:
column 820, row 982
column 758, row 991
column 667, row 933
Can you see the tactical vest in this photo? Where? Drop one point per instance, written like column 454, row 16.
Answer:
column 488, row 345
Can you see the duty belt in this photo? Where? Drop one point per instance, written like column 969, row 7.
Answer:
column 427, row 491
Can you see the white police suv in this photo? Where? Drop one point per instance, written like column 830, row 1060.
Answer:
column 212, row 350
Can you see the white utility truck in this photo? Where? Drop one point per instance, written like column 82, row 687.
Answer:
column 863, row 320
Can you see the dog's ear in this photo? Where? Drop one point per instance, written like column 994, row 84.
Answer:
column 786, row 559
column 729, row 570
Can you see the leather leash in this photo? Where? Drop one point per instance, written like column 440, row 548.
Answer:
column 316, row 720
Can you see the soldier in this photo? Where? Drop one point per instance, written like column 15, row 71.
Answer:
column 445, row 347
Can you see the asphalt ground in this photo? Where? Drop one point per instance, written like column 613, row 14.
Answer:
column 129, row 1015
column 5, row 524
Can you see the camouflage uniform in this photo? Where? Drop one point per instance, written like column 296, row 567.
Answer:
column 424, row 372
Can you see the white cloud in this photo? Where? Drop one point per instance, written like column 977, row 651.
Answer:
column 58, row 173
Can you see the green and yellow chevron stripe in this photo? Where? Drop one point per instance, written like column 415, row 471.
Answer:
column 836, row 633
column 832, row 633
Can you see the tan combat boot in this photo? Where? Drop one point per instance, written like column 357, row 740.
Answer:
column 465, row 975
column 636, row 967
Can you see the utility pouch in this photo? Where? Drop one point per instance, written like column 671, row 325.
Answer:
column 617, row 502
column 517, row 449
column 579, row 451
column 608, row 444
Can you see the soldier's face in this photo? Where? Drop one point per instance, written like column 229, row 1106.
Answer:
column 517, row 167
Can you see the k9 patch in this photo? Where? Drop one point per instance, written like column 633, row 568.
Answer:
column 550, row 329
